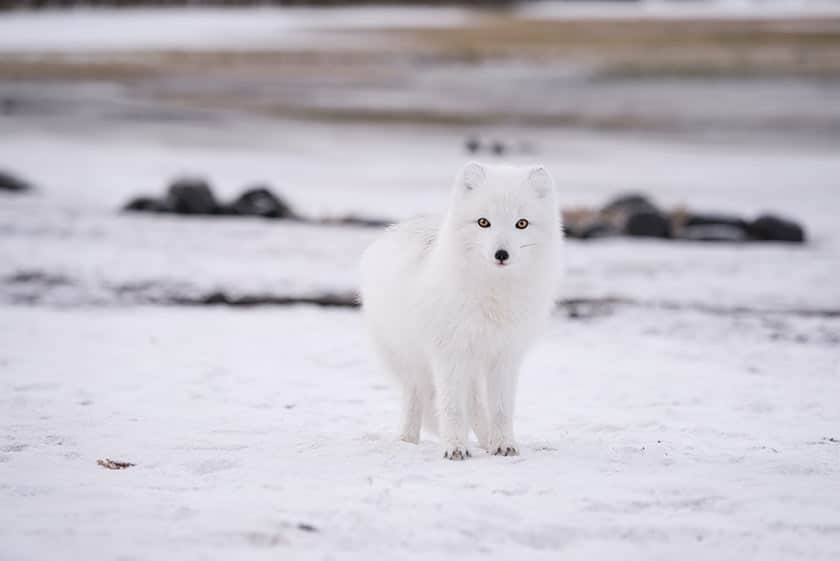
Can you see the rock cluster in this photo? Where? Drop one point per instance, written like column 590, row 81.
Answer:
column 630, row 214
column 635, row 215
column 194, row 196
column 476, row 145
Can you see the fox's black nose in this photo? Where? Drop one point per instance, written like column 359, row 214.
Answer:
column 502, row 255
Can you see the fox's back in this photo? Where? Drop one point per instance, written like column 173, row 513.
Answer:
column 401, row 249
column 393, row 265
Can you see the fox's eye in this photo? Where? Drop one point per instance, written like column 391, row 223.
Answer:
column 483, row 222
column 521, row 223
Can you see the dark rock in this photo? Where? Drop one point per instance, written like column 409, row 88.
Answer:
column 635, row 215
column 713, row 233
column 147, row 204
column 692, row 219
column 498, row 148
column 191, row 196
column 7, row 107
column 630, row 203
column 260, row 201
column 472, row 145
column 570, row 232
column 9, row 182
column 774, row 228
column 647, row 224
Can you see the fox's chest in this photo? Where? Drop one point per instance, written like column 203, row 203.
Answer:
column 498, row 309
column 474, row 316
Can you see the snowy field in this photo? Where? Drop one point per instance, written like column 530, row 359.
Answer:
column 645, row 435
column 698, row 418
column 683, row 403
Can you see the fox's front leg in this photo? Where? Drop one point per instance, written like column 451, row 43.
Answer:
column 477, row 406
column 502, row 379
column 412, row 413
column 451, row 385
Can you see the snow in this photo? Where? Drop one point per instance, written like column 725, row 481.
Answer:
column 190, row 29
column 644, row 435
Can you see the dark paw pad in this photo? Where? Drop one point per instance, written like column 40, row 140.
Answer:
column 506, row 451
column 457, row 454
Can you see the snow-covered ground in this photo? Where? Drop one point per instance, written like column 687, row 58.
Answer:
column 646, row 435
column 699, row 420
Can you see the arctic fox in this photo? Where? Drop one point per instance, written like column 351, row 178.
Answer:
column 452, row 303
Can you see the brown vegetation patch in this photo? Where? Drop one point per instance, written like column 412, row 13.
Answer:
column 108, row 463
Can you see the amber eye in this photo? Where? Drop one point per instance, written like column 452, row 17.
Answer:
column 521, row 223
column 483, row 222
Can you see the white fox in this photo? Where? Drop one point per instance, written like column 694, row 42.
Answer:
column 452, row 303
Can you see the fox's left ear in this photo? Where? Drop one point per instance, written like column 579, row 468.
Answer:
column 540, row 180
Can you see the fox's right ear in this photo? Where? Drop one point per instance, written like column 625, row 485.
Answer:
column 541, row 181
column 472, row 176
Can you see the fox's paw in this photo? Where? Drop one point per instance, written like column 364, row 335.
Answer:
column 456, row 453
column 505, row 450
column 410, row 438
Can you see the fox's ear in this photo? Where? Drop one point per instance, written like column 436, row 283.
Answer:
column 540, row 180
column 472, row 176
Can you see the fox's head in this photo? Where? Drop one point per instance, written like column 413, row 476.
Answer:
column 504, row 217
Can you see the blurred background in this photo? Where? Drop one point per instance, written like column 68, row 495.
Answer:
column 346, row 117
column 186, row 189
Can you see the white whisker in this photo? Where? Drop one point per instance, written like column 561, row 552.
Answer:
column 527, row 245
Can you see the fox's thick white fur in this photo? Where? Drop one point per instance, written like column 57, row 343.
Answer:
column 450, row 320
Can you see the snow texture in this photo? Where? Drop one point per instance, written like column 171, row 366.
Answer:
column 645, row 435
